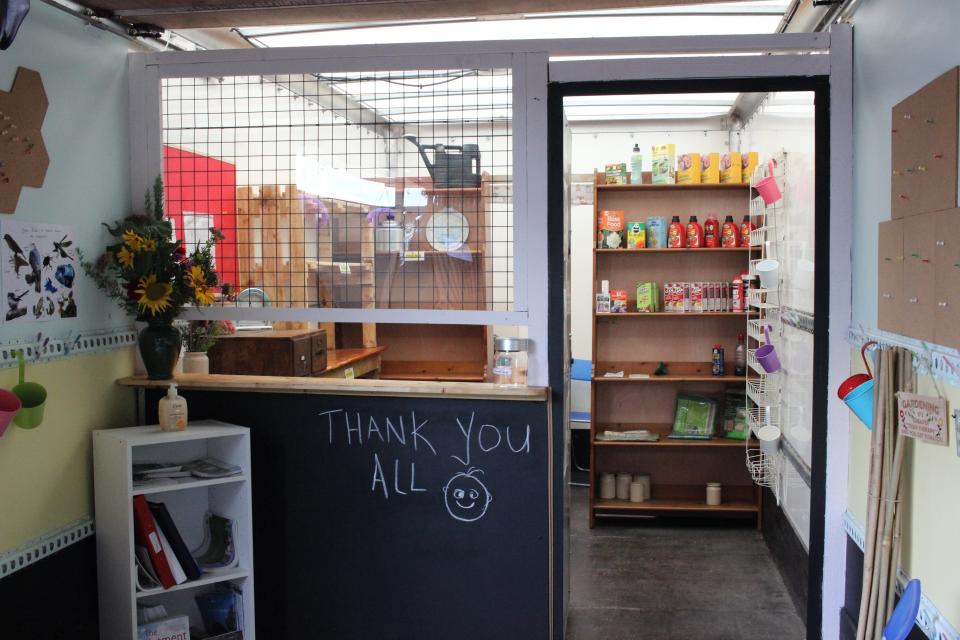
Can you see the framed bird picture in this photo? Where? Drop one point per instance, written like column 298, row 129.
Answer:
column 39, row 267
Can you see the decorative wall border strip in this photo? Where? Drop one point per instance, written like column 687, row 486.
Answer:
column 45, row 545
column 929, row 618
column 939, row 362
column 44, row 348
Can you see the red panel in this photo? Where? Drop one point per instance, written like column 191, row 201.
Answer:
column 199, row 184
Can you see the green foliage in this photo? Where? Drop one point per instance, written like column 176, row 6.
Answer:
column 145, row 252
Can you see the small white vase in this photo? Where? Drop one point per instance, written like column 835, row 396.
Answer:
column 196, row 362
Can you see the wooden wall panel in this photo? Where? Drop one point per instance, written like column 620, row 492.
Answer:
column 924, row 133
column 947, row 279
column 918, row 276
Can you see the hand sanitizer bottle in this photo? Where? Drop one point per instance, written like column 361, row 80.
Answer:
column 173, row 411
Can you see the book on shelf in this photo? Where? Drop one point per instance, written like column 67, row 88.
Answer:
column 146, row 576
column 176, row 569
column 172, row 534
column 175, row 628
column 145, row 473
column 149, row 537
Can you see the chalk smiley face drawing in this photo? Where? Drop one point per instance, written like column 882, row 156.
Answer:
column 466, row 497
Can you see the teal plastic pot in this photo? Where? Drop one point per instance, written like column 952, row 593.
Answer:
column 860, row 401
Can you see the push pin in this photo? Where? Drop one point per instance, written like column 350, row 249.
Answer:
column 907, row 116
column 921, row 167
column 895, row 172
column 938, row 156
column 893, row 130
column 903, row 197
column 908, row 170
column 929, row 120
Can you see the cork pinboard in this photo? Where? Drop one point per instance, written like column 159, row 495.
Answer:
column 23, row 155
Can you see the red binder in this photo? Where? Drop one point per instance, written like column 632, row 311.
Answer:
column 145, row 531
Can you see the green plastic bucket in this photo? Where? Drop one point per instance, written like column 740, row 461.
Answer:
column 32, row 396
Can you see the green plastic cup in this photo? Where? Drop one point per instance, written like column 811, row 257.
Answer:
column 33, row 397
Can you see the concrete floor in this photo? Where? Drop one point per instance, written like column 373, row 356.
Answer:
column 674, row 580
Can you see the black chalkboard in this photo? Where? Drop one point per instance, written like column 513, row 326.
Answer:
column 405, row 518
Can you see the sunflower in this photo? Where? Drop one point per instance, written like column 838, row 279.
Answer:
column 148, row 245
column 196, row 277
column 203, row 294
column 154, row 296
column 132, row 239
column 125, row 257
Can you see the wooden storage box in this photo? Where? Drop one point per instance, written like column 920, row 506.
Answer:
column 271, row 353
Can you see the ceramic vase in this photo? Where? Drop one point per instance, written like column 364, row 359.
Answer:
column 159, row 345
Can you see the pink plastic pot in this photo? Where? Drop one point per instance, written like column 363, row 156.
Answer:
column 768, row 188
column 9, row 405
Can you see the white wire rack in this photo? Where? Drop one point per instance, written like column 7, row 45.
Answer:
column 763, row 392
column 765, row 469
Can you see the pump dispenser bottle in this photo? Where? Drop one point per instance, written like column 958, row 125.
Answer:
column 173, row 411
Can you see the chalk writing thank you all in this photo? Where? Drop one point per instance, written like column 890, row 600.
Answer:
column 465, row 496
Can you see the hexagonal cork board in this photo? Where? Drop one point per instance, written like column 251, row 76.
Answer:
column 23, row 156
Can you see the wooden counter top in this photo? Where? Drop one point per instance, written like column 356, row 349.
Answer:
column 333, row 386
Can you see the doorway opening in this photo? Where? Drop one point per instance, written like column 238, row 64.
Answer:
column 672, row 379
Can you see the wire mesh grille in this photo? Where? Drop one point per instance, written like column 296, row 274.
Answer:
column 372, row 190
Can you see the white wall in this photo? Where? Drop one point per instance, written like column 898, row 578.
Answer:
column 45, row 473
column 898, row 49
column 595, row 145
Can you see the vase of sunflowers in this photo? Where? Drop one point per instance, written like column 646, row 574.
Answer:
column 152, row 277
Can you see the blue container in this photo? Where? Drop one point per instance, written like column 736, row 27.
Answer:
column 860, row 401
column 656, row 232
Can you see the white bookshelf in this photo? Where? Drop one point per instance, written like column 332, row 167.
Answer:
column 187, row 500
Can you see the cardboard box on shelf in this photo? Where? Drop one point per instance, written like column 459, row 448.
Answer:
column 748, row 162
column 610, row 229
column 731, row 169
column 663, row 163
column 616, row 173
column 710, row 168
column 688, row 168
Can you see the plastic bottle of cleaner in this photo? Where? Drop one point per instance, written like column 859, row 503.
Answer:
column 730, row 234
column 675, row 234
column 740, row 357
column 694, row 234
column 711, row 232
column 636, row 165
column 745, row 228
column 173, row 411
column 717, row 360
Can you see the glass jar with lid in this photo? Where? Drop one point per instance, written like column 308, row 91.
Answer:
column 510, row 361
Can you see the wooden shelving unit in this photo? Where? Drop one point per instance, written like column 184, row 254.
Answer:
column 636, row 343
column 187, row 499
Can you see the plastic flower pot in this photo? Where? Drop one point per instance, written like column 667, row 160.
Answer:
column 769, row 272
column 32, row 396
column 768, row 188
column 9, row 405
column 857, row 390
column 860, row 401
column 767, row 354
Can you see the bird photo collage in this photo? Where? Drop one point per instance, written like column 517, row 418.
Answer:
column 39, row 271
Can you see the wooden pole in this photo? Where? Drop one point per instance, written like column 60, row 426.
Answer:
column 873, row 500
